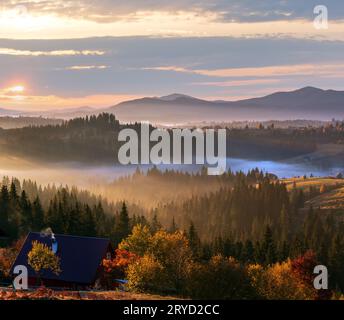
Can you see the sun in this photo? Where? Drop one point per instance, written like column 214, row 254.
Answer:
column 16, row 89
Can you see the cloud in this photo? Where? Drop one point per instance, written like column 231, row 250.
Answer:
column 81, row 68
column 56, row 53
column 34, row 102
column 47, row 19
column 237, row 83
column 229, row 10
column 151, row 66
column 266, row 71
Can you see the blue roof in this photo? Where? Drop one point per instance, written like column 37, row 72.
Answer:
column 80, row 257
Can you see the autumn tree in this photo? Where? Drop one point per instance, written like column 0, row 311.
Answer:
column 167, row 254
column 220, row 278
column 138, row 241
column 42, row 258
column 8, row 256
column 116, row 268
column 277, row 282
column 147, row 275
column 303, row 268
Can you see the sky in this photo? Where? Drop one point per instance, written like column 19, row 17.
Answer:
column 67, row 54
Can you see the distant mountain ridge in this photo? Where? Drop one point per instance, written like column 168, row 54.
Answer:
column 305, row 103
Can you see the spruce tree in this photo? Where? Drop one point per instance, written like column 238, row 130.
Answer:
column 38, row 215
column 122, row 228
column 194, row 241
column 268, row 247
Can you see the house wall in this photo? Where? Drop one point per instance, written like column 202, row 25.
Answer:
column 33, row 282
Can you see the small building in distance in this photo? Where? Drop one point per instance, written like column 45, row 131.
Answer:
column 80, row 260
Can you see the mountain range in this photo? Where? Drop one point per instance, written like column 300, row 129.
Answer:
column 306, row 103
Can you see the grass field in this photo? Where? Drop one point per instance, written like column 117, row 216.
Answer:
column 48, row 294
column 330, row 199
column 314, row 182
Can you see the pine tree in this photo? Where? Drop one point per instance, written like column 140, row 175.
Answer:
column 248, row 252
column 194, row 241
column 26, row 209
column 4, row 208
column 155, row 224
column 268, row 247
column 336, row 263
column 88, row 222
column 122, row 228
column 13, row 192
column 38, row 215
column 173, row 228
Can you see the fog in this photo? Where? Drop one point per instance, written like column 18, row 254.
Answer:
column 101, row 180
column 85, row 176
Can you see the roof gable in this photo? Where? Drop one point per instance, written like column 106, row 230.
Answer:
column 80, row 257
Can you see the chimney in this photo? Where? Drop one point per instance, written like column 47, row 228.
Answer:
column 54, row 246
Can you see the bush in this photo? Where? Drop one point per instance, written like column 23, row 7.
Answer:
column 116, row 268
column 7, row 258
column 169, row 255
column 278, row 282
column 147, row 275
column 138, row 241
column 221, row 278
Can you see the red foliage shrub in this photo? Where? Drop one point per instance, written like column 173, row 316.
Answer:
column 303, row 268
column 116, row 268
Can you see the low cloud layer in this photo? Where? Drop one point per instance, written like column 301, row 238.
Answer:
column 228, row 10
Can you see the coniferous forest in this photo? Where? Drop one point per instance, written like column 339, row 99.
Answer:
column 172, row 150
column 252, row 219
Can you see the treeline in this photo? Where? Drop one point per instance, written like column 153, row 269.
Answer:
column 241, row 209
column 169, row 262
column 254, row 220
column 21, row 122
column 269, row 142
column 154, row 186
column 89, row 139
column 93, row 140
column 27, row 207
column 323, row 236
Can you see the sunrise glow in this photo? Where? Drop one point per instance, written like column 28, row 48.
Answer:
column 16, row 89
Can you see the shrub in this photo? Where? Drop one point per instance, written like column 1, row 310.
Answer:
column 41, row 258
column 147, row 275
column 221, row 278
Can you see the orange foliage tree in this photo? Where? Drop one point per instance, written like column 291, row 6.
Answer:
column 7, row 257
column 116, row 268
column 303, row 267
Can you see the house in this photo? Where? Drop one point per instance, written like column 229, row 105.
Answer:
column 80, row 259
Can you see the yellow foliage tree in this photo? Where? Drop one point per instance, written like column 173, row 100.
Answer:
column 41, row 258
column 147, row 275
column 138, row 241
column 278, row 282
column 168, row 254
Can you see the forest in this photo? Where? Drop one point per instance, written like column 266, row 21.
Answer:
column 93, row 139
column 250, row 235
column 256, row 228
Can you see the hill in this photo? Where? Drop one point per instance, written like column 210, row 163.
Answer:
column 306, row 103
column 21, row 122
